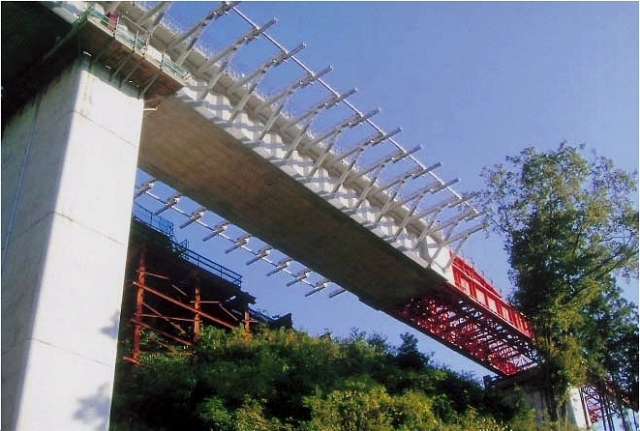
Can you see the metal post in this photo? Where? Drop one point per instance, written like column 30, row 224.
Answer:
column 247, row 318
column 137, row 330
column 196, row 319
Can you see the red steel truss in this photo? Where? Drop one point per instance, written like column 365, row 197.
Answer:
column 472, row 318
column 593, row 401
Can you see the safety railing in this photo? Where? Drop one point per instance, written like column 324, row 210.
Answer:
column 120, row 28
column 181, row 249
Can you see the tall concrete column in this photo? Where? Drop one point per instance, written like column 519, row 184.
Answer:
column 68, row 171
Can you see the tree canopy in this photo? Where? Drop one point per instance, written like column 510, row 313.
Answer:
column 288, row 381
column 570, row 228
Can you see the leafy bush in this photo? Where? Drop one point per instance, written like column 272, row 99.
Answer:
column 288, row 381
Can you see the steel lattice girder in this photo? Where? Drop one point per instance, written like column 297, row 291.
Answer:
column 592, row 400
column 472, row 318
column 476, row 334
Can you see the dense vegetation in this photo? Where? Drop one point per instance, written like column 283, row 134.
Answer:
column 288, row 381
column 570, row 225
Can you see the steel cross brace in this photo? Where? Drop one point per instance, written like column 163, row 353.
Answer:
column 196, row 31
column 173, row 200
column 226, row 56
column 254, row 78
column 334, row 134
column 280, row 266
column 283, row 97
column 394, row 158
column 194, row 217
column 309, row 116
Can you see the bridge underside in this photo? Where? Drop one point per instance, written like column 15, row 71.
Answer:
column 185, row 150
column 188, row 152
column 203, row 157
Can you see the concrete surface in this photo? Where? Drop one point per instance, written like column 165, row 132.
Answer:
column 68, row 169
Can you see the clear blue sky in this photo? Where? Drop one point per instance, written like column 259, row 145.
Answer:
column 472, row 83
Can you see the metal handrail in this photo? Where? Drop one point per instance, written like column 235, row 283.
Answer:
column 165, row 227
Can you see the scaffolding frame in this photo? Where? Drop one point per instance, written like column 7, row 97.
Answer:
column 173, row 292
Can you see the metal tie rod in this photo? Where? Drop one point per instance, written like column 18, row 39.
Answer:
column 390, row 205
column 466, row 233
column 418, row 197
column 195, row 216
column 145, row 187
column 239, row 242
column 433, row 188
column 437, row 207
column 276, row 60
column 261, row 254
column 246, row 38
column 217, row 230
column 398, row 180
column 325, row 104
column 439, row 227
column 414, row 173
column 287, row 92
column 255, row 78
column 173, row 200
column 298, row 84
column 280, row 266
column 405, row 220
column 418, row 194
column 320, row 285
column 197, row 29
column 337, row 292
column 372, row 140
column 393, row 158
column 348, row 123
column 301, row 275
column 379, row 164
column 446, row 185
column 463, row 199
column 407, row 153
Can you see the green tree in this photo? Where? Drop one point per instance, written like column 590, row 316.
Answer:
column 408, row 355
column 570, row 228
column 288, row 381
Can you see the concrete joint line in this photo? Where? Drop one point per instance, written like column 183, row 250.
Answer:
column 90, row 229
column 62, row 349
column 23, row 168
column 66, row 217
column 109, row 131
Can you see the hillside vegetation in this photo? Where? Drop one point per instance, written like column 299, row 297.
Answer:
column 288, row 381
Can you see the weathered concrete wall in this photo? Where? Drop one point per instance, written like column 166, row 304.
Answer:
column 68, row 170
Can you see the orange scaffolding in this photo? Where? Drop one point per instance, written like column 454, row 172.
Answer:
column 173, row 292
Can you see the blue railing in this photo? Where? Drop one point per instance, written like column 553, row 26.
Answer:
column 165, row 227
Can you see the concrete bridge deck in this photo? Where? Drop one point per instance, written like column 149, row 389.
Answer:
column 192, row 143
column 212, row 137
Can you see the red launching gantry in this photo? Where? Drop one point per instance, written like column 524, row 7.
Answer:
column 471, row 317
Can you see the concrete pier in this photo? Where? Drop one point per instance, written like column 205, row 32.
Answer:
column 68, row 170
column 530, row 386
